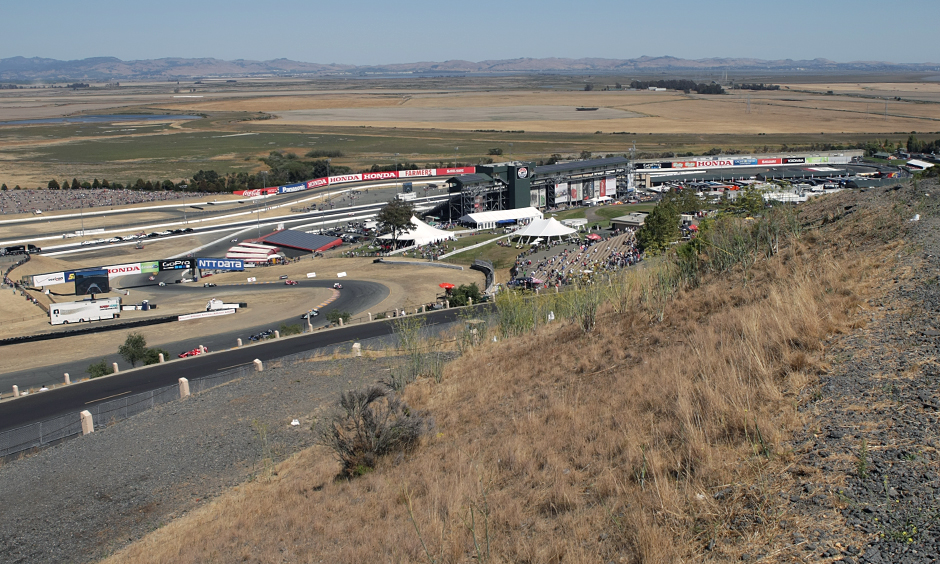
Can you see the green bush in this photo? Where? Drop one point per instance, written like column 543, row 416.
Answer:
column 334, row 316
column 99, row 369
column 294, row 329
column 459, row 295
column 152, row 356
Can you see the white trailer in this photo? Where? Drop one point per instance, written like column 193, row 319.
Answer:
column 89, row 310
column 215, row 304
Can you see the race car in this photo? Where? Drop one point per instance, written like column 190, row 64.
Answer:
column 208, row 285
column 312, row 313
column 290, row 282
column 194, row 352
column 337, row 286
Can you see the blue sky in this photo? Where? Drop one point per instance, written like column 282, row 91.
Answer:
column 376, row 32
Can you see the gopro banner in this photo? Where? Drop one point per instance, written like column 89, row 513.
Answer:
column 220, row 264
column 177, row 264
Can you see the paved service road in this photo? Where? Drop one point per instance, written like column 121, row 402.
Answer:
column 74, row 398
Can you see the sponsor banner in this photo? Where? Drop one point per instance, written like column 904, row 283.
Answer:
column 575, row 191
column 345, row 178
column 258, row 192
column 587, row 190
column 745, row 162
column 410, row 173
column 317, row 182
column 311, row 275
column 542, row 198
column 794, row 160
column 683, row 164
column 292, row 188
column 124, row 269
column 649, row 166
column 455, row 170
column 768, row 161
column 561, row 192
column 151, row 267
column 715, row 163
column 534, row 198
column 817, row 160
column 379, row 175
column 49, row 279
column 213, row 313
column 340, row 274
column 220, row 264
column 177, row 264
column 252, row 279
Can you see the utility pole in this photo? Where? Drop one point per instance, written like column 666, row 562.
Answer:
column 328, row 195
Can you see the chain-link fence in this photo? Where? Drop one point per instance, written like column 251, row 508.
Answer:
column 44, row 433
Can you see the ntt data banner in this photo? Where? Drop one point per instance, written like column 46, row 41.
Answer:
column 220, row 264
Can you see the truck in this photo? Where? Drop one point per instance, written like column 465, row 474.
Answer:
column 87, row 310
column 214, row 304
column 406, row 196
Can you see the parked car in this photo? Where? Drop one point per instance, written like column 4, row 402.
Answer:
column 286, row 282
column 337, row 286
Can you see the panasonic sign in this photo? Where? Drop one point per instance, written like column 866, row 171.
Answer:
column 220, row 264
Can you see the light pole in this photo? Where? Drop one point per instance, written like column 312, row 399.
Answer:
column 455, row 156
column 328, row 191
column 510, row 152
column 258, row 211
column 81, row 199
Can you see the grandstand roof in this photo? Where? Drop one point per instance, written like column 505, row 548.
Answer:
column 612, row 162
column 499, row 216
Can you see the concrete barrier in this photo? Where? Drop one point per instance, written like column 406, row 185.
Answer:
column 277, row 334
column 370, row 316
column 340, row 321
column 16, row 391
column 357, row 349
column 239, row 341
column 184, row 388
column 115, row 367
column 88, row 424
column 160, row 358
column 259, row 366
column 67, row 380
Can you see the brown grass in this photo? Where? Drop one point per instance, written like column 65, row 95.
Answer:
column 639, row 442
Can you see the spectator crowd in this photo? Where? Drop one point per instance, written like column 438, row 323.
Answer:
column 29, row 201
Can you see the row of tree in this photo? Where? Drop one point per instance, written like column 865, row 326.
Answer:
column 685, row 85
column 761, row 86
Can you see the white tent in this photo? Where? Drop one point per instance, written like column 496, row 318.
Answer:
column 544, row 228
column 421, row 234
column 490, row 219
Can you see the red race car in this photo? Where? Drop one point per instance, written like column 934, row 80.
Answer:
column 194, row 352
column 290, row 282
column 338, row 286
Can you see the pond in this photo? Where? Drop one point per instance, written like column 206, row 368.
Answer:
column 102, row 119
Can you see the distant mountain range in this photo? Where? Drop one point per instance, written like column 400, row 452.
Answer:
column 17, row 69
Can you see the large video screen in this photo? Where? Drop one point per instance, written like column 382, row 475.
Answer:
column 91, row 282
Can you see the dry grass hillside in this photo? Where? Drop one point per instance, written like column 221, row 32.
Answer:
column 661, row 435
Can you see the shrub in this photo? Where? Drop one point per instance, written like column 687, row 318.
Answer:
column 334, row 316
column 134, row 349
column 152, row 356
column 374, row 422
column 460, row 294
column 293, row 329
column 99, row 369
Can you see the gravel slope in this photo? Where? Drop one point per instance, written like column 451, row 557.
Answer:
column 77, row 501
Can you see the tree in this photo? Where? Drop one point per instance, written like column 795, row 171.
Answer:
column 588, row 87
column 496, row 151
column 4, row 188
column 75, row 184
column 95, row 185
column 134, row 349
column 460, row 294
column 53, row 185
column 660, row 228
column 396, row 216
column 585, row 154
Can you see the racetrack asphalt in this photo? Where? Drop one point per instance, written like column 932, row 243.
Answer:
column 74, row 398
column 355, row 297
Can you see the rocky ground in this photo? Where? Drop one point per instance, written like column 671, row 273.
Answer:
column 78, row 501
column 868, row 470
